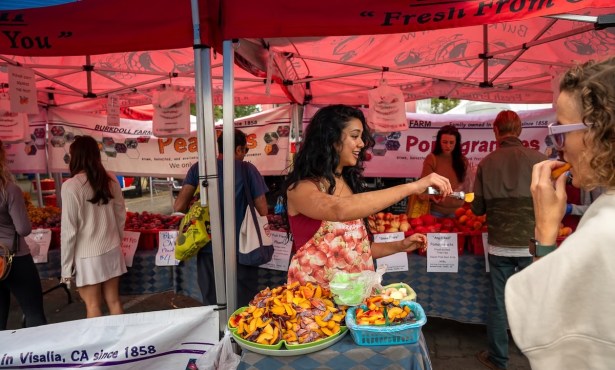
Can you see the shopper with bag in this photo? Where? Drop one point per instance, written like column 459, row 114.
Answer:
column 18, row 274
column 247, row 178
column 327, row 201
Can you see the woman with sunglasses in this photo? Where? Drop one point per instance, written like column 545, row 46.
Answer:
column 448, row 161
column 561, row 309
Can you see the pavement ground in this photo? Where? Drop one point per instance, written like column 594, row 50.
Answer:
column 452, row 345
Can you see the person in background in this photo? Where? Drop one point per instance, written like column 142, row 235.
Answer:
column 327, row 203
column 93, row 217
column 247, row 276
column 561, row 309
column 447, row 160
column 23, row 280
column 502, row 191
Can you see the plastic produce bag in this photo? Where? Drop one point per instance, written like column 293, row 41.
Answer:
column 350, row 289
column 221, row 356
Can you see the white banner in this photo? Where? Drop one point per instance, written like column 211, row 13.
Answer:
column 149, row 340
column 401, row 153
column 132, row 150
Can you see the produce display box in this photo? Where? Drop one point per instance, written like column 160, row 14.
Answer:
column 369, row 335
column 148, row 240
column 50, row 200
column 46, row 184
column 475, row 243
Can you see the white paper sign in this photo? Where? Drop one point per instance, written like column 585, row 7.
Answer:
column 442, row 255
column 113, row 111
column 22, row 90
column 129, row 246
column 282, row 247
column 38, row 241
column 166, row 248
column 486, row 250
column 166, row 339
column 395, row 262
column 172, row 121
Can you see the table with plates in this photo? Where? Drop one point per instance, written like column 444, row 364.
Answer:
column 346, row 354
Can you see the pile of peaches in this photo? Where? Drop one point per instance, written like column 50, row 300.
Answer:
column 464, row 222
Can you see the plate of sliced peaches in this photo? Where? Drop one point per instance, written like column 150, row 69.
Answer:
column 289, row 320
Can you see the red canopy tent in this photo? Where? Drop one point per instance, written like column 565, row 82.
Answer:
column 481, row 54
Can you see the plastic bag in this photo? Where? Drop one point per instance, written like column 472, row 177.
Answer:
column 279, row 206
column 221, row 356
column 351, row 289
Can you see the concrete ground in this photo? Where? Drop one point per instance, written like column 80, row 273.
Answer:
column 452, row 345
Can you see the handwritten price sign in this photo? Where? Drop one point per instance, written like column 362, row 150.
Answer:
column 166, row 249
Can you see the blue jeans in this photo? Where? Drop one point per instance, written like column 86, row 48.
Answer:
column 500, row 268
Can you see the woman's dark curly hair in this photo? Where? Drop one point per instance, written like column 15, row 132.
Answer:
column 459, row 163
column 591, row 86
column 85, row 157
column 317, row 158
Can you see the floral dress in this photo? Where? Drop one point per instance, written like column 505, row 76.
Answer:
column 336, row 246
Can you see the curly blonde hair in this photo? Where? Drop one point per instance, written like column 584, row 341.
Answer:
column 6, row 176
column 591, row 85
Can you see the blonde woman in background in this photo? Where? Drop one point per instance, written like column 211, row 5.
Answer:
column 93, row 217
column 23, row 280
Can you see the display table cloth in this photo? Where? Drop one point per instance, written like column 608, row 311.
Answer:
column 142, row 278
column 346, row 354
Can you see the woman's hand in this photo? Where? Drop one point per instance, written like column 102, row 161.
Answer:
column 413, row 242
column 549, row 199
column 433, row 179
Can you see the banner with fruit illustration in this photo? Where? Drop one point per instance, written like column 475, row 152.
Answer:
column 167, row 339
column 29, row 156
column 131, row 149
column 401, row 153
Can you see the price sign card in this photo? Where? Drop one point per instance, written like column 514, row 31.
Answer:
column 282, row 247
column 166, row 248
column 38, row 241
column 129, row 246
column 395, row 262
column 442, row 255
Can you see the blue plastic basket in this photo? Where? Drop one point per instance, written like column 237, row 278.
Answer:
column 368, row 335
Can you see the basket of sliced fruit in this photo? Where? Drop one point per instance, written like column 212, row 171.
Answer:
column 401, row 291
column 385, row 321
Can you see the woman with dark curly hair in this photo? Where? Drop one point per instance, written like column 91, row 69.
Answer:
column 561, row 309
column 327, row 201
column 93, row 217
column 448, row 161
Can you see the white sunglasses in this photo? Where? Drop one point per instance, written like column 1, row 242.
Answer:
column 557, row 131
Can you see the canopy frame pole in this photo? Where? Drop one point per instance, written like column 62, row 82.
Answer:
column 228, row 159
column 207, row 158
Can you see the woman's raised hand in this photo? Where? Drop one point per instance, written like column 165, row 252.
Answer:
column 433, row 179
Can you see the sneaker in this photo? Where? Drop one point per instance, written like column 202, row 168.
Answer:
column 483, row 358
